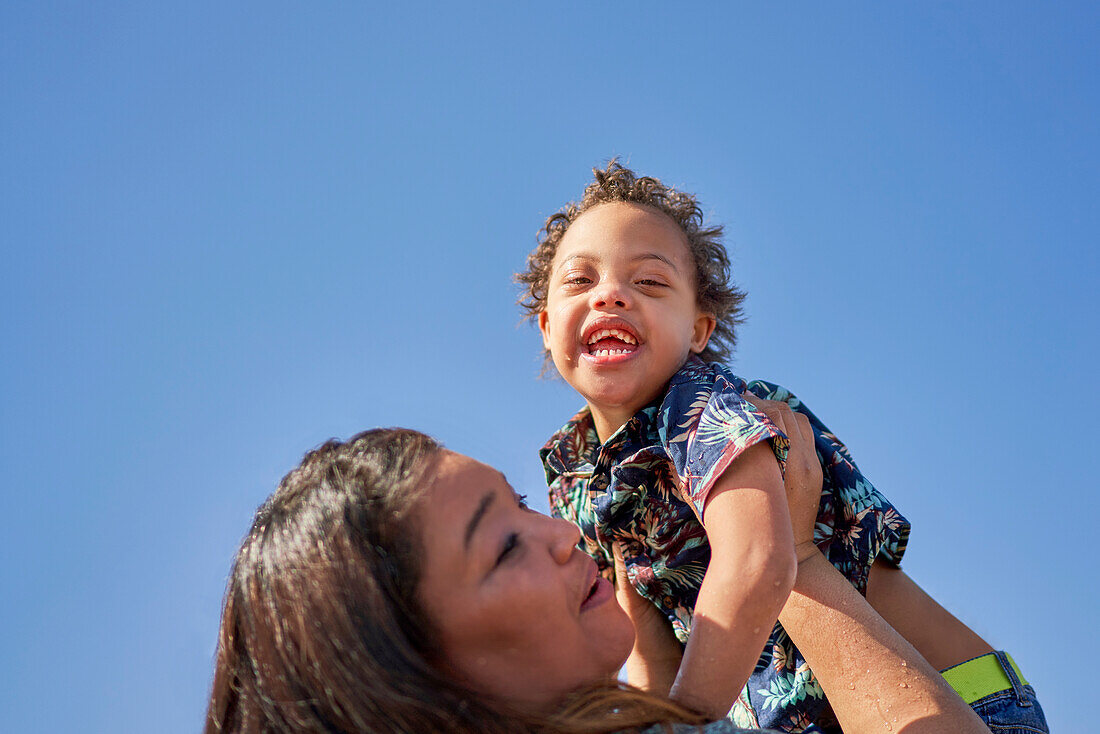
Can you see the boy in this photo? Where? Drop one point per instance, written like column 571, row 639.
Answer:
column 668, row 459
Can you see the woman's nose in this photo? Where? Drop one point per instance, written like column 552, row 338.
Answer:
column 563, row 540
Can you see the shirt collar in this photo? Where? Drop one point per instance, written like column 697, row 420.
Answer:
column 576, row 448
column 573, row 447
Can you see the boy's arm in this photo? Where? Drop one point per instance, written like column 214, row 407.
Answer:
column 751, row 572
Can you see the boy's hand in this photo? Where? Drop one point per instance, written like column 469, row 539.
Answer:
column 802, row 480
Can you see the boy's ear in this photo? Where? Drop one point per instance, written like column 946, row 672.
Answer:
column 544, row 327
column 700, row 335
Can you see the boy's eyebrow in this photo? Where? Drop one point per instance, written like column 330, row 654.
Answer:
column 658, row 256
column 482, row 508
column 637, row 258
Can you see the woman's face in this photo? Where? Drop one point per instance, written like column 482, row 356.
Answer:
column 520, row 611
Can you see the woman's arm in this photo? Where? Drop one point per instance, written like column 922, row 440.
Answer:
column 872, row 676
column 874, row 679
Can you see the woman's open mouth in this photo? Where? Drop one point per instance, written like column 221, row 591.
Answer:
column 599, row 593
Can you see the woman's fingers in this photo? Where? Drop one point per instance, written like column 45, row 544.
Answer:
column 795, row 426
column 754, row 400
column 803, row 477
column 620, row 564
column 770, row 408
column 628, row 596
column 805, row 428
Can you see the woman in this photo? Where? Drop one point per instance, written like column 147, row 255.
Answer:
column 390, row 585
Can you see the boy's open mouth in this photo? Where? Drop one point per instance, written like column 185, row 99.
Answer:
column 611, row 342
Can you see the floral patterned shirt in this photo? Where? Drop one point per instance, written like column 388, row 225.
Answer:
column 715, row 727
column 646, row 488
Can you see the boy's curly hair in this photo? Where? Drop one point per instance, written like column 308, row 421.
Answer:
column 616, row 183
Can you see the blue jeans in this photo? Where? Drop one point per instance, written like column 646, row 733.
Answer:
column 1014, row 710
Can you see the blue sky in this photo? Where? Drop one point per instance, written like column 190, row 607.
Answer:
column 233, row 231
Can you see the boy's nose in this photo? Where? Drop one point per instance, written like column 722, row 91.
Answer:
column 609, row 295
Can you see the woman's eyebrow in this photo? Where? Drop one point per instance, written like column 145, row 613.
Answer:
column 482, row 508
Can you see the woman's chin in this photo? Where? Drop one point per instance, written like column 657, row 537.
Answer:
column 621, row 639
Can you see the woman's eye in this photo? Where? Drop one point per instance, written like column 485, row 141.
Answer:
column 650, row 282
column 578, row 280
column 521, row 500
column 510, row 544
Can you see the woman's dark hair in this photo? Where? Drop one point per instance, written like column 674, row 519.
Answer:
column 714, row 294
column 322, row 630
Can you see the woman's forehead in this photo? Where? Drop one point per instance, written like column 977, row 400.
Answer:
column 462, row 492
column 458, row 509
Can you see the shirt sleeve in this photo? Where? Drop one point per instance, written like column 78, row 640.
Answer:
column 705, row 424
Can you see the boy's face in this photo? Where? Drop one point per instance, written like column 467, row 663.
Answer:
column 621, row 315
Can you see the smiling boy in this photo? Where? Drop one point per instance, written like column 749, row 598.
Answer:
column 669, row 460
column 620, row 320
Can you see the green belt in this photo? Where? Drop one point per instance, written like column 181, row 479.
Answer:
column 981, row 677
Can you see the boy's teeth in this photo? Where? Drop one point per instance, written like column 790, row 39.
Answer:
column 612, row 334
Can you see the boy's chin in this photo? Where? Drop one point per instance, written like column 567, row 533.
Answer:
column 617, row 401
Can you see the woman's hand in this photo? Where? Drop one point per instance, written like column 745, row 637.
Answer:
column 802, row 478
column 875, row 679
column 655, row 659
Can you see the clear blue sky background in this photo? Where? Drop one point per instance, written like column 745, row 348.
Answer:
column 231, row 231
